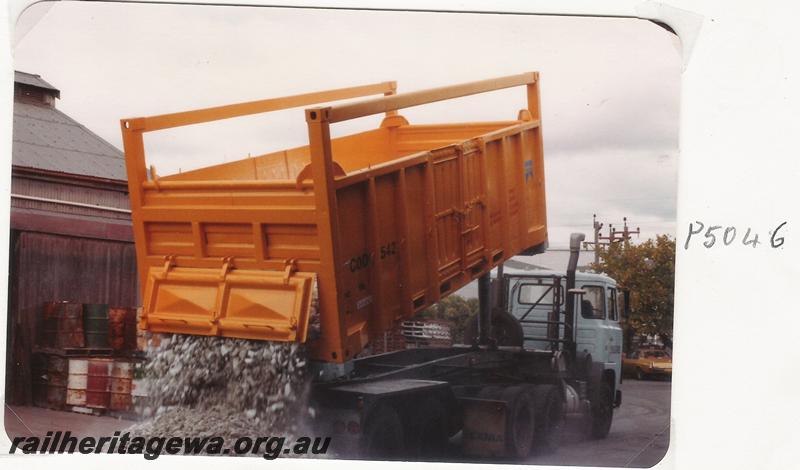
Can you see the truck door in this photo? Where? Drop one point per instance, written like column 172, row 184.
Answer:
column 591, row 332
column 599, row 332
column 613, row 332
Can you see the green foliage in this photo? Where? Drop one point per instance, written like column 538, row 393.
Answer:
column 647, row 270
column 455, row 309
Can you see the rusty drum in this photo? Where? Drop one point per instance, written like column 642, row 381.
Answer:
column 76, row 381
column 116, row 328
column 98, row 383
column 70, row 325
column 121, row 381
column 49, row 325
column 56, row 381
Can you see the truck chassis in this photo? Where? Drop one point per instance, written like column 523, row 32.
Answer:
column 506, row 400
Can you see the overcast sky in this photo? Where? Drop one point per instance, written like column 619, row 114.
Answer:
column 610, row 87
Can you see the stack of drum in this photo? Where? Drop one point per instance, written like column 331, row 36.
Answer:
column 84, row 358
column 62, row 325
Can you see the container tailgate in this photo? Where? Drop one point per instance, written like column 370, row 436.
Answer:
column 250, row 304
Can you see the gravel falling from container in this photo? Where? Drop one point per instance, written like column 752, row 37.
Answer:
column 204, row 386
column 213, row 386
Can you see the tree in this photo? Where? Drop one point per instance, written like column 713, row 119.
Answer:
column 647, row 270
column 456, row 310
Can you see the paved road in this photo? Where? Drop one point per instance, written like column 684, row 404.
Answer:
column 639, row 434
column 30, row 421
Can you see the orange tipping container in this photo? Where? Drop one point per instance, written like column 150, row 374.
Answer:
column 386, row 221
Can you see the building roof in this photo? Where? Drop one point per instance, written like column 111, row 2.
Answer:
column 34, row 80
column 47, row 139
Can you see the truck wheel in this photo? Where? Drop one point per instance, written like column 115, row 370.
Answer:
column 382, row 433
column 601, row 411
column 549, row 419
column 520, row 420
column 427, row 429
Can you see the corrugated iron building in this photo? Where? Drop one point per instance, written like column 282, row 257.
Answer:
column 71, row 235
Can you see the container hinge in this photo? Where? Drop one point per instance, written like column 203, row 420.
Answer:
column 169, row 263
column 291, row 266
column 227, row 265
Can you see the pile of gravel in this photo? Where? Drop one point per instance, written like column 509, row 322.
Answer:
column 228, row 387
column 206, row 386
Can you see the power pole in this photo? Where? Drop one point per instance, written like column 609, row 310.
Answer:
column 614, row 236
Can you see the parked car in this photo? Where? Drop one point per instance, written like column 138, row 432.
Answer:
column 644, row 363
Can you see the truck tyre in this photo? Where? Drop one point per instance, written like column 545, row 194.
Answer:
column 381, row 433
column 520, row 420
column 601, row 411
column 426, row 431
column 549, row 419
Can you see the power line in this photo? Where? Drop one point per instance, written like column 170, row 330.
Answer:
column 614, row 236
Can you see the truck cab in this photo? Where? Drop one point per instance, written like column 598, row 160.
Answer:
column 537, row 299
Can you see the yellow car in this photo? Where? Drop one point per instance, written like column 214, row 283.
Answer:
column 644, row 363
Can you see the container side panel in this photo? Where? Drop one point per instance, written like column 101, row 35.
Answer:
column 448, row 210
column 419, row 138
column 512, row 194
column 387, row 256
column 362, row 150
column 473, row 230
column 493, row 199
column 534, row 187
column 285, row 164
column 417, row 232
column 355, row 285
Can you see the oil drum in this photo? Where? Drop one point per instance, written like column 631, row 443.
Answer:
column 116, row 328
column 95, row 322
column 70, row 325
column 98, row 383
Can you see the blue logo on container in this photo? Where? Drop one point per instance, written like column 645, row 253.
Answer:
column 528, row 169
